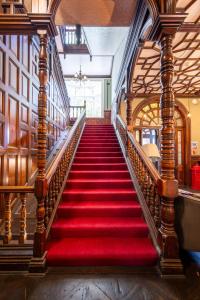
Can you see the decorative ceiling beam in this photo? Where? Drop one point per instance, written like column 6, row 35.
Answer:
column 27, row 24
column 166, row 24
column 189, row 27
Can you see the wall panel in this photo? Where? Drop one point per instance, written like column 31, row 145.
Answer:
column 19, row 88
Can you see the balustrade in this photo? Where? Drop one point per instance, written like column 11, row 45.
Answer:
column 12, row 231
column 75, row 111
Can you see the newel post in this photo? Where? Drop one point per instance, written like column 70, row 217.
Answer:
column 168, row 240
column 164, row 30
column 41, row 181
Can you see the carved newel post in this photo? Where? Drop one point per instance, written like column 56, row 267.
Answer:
column 41, row 182
column 163, row 31
column 168, row 239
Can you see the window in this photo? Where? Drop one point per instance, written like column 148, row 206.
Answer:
column 91, row 92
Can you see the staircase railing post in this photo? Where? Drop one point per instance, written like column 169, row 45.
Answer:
column 168, row 240
column 41, row 181
column 163, row 32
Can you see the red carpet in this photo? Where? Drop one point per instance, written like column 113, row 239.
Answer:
column 99, row 221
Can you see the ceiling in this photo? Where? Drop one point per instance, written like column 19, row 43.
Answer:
column 186, row 48
column 103, row 44
column 95, row 12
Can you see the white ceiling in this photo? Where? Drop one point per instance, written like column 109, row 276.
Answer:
column 103, row 43
column 99, row 66
column 105, row 40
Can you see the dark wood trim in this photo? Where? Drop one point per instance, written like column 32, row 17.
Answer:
column 27, row 24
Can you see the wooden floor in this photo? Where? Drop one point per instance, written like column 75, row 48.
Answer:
column 61, row 286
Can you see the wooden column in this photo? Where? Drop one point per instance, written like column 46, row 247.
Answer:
column 163, row 31
column 41, row 182
column 170, row 261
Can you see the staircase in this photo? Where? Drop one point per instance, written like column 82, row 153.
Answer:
column 99, row 221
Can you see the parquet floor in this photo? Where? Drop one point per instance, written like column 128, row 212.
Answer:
column 58, row 286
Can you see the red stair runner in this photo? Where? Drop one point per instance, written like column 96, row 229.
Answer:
column 99, row 221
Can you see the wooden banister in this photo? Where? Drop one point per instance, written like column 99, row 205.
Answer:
column 151, row 168
column 153, row 192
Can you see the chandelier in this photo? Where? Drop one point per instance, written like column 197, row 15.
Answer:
column 79, row 76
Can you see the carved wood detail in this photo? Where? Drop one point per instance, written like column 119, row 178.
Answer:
column 168, row 238
column 41, row 182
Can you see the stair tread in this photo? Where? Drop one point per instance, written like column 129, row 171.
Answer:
column 99, row 180
column 94, row 204
column 100, row 221
column 100, row 191
column 102, row 251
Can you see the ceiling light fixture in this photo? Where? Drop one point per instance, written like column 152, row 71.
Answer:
column 79, row 76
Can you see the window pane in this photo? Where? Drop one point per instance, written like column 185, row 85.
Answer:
column 91, row 92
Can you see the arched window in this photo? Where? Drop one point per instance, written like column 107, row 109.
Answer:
column 147, row 130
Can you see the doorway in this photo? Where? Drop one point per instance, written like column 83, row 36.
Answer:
column 147, row 130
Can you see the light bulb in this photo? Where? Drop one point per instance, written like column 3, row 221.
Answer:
column 194, row 101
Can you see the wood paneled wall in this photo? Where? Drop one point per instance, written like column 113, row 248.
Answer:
column 19, row 86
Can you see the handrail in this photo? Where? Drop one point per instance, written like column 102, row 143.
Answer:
column 154, row 172
column 151, row 168
column 56, row 174
column 146, row 178
column 51, row 170
column 16, row 189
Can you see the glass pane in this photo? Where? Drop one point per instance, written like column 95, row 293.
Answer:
column 154, row 105
column 146, row 108
column 179, row 122
column 137, row 135
column 91, row 92
column 179, row 147
column 137, row 122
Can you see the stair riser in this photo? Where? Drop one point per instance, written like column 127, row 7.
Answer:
column 99, row 197
column 94, row 167
column 95, row 139
column 99, row 175
column 98, row 144
column 99, row 185
column 99, row 130
column 93, row 231
column 99, row 160
column 98, row 154
column 99, row 149
column 99, row 212
column 95, row 135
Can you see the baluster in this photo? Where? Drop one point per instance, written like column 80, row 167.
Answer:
column 148, row 190
column 152, row 198
column 46, row 205
column 22, row 234
column 51, row 202
column 7, row 219
column 54, row 190
column 157, row 209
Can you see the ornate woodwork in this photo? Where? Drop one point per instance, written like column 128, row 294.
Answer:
column 168, row 237
column 19, row 88
column 41, row 182
column 129, row 111
column 145, row 175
